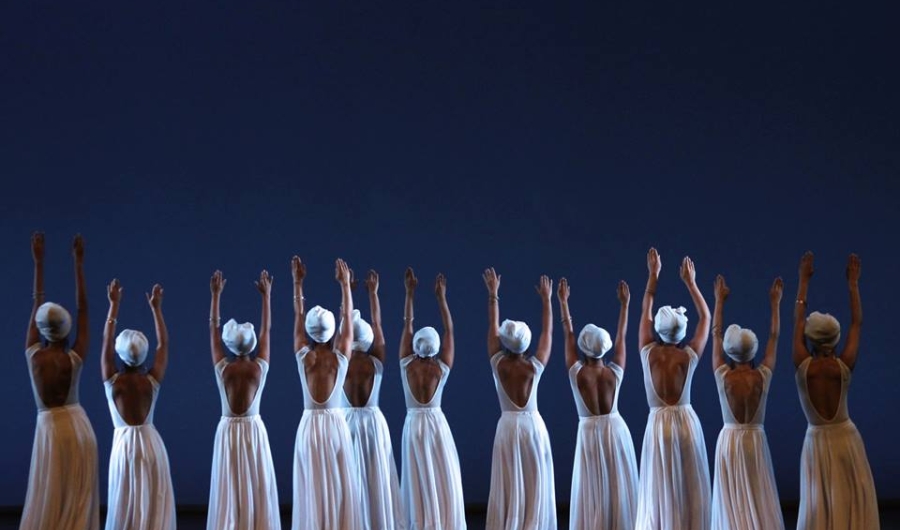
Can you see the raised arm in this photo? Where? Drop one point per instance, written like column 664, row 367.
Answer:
column 82, row 341
column 624, row 295
column 562, row 293
column 492, row 282
column 378, row 347
column 216, row 285
column 851, row 347
column 33, row 336
column 410, row 281
column 264, row 286
column 645, row 330
column 775, row 328
column 448, row 352
column 721, row 293
column 806, row 272
column 544, row 290
column 161, row 359
column 345, row 339
column 701, row 334
column 298, row 271
column 108, row 357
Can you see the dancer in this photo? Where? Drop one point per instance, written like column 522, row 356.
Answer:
column 140, row 485
column 63, row 491
column 380, row 507
column 673, row 492
column 744, row 492
column 431, row 487
column 326, row 492
column 605, row 477
column 836, row 486
column 243, row 492
column 522, row 491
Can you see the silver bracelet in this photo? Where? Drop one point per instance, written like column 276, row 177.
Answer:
column 35, row 294
column 299, row 298
column 216, row 319
column 112, row 321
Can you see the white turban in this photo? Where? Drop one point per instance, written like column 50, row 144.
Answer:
column 740, row 344
column 239, row 338
column 53, row 321
column 823, row 329
column 670, row 324
column 594, row 341
column 132, row 347
column 320, row 324
column 515, row 336
column 426, row 342
column 362, row 333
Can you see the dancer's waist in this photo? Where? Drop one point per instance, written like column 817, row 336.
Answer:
column 599, row 417
column 64, row 409
column 831, row 426
column 744, row 427
column 424, row 410
column 241, row 419
column 336, row 411
column 686, row 406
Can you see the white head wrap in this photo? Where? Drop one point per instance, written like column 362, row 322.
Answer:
column 132, row 347
column 671, row 324
column 426, row 342
column 239, row 338
column 594, row 341
column 515, row 336
column 362, row 333
column 53, row 321
column 740, row 344
column 823, row 329
column 320, row 324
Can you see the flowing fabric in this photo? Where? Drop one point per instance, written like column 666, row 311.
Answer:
column 140, row 485
column 63, row 487
column 430, row 485
column 673, row 492
column 605, row 475
column 836, row 486
column 326, row 491
column 522, row 490
column 745, row 496
column 243, row 494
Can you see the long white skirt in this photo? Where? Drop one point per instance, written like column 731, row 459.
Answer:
column 673, row 491
column 745, row 496
column 242, row 492
column 605, row 475
column 63, row 488
column 836, row 486
column 522, row 490
column 431, row 487
column 380, row 507
column 326, row 493
column 140, row 485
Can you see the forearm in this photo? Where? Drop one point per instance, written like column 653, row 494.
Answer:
column 347, row 304
column 33, row 335
column 547, row 326
column 81, row 298
column 446, row 318
column 622, row 329
column 856, row 315
column 775, row 327
column 699, row 303
column 647, row 302
column 375, row 308
column 565, row 318
column 108, row 363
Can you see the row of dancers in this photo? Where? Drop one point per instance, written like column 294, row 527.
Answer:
column 344, row 473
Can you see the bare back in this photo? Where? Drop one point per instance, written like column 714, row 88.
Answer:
column 669, row 367
column 321, row 368
column 744, row 390
column 51, row 369
column 132, row 393
column 516, row 375
column 424, row 374
column 360, row 379
column 597, row 386
column 241, row 379
column 824, row 382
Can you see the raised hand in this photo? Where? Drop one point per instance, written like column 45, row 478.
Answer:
column 264, row 283
column 217, row 283
column 654, row 264
column 372, row 281
column 155, row 296
column 853, row 268
column 544, row 287
column 776, row 290
column 410, row 280
column 687, row 272
column 721, row 288
column 491, row 281
column 440, row 286
column 562, row 292
column 806, row 266
column 114, row 291
column 623, row 293
column 298, row 269
column 341, row 272
column 354, row 281
column 37, row 246
column 78, row 248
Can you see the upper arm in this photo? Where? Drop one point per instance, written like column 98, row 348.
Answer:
column 718, row 353
column 851, row 347
column 771, row 349
column 800, row 353
column 160, row 363
column 448, row 351
column 571, row 349
column 215, row 344
column 82, row 341
column 406, row 347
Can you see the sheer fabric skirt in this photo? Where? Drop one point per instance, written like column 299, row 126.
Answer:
column 140, row 484
column 380, row 507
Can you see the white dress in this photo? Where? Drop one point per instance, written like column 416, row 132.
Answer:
column 380, row 507
column 522, row 490
column 605, row 475
column 63, row 488
column 140, row 485
column 326, row 491
column 430, row 485
column 745, row 496
column 242, row 493
column 836, row 486
column 673, row 492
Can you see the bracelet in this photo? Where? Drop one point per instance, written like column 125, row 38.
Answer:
column 216, row 319
column 36, row 294
column 563, row 320
column 299, row 298
column 799, row 301
column 112, row 321
column 493, row 297
column 408, row 319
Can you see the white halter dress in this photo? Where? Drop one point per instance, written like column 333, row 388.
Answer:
column 140, row 484
column 380, row 507
column 745, row 496
column 605, row 475
column 326, row 491
column 242, row 492
column 63, row 489
column 673, row 492
column 522, row 490
column 836, row 486
column 430, row 485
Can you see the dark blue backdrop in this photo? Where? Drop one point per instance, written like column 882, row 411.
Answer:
column 184, row 138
